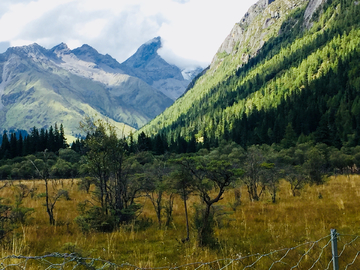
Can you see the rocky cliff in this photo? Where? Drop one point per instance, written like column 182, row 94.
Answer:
column 262, row 21
column 149, row 66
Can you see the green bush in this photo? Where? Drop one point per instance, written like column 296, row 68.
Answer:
column 205, row 231
column 94, row 219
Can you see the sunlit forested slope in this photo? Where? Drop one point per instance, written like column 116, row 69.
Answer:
column 294, row 70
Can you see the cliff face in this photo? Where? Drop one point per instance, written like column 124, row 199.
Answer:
column 262, row 21
column 149, row 66
column 310, row 10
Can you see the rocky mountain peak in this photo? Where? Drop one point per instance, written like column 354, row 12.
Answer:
column 148, row 65
column 86, row 53
column 62, row 48
column 145, row 53
column 89, row 54
column 27, row 50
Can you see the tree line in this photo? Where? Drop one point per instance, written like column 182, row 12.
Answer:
column 119, row 171
column 16, row 145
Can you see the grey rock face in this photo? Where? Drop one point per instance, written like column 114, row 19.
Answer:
column 149, row 66
column 89, row 54
column 310, row 10
column 250, row 34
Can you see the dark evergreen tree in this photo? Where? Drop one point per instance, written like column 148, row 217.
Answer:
column 290, row 137
column 159, row 145
column 51, row 140
column 62, row 140
column 206, row 141
column 43, row 139
column 13, row 146
column 191, row 146
column 5, row 146
column 20, row 145
column 144, row 142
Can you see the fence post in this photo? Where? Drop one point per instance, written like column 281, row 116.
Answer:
column 335, row 256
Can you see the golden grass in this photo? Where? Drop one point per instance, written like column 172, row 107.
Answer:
column 255, row 227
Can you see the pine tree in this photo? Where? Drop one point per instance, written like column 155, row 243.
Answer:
column 51, row 140
column 158, row 145
column 290, row 137
column 43, row 140
column 191, row 146
column 62, row 139
column 20, row 145
column 57, row 139
column 13, row 146
column 5, row 146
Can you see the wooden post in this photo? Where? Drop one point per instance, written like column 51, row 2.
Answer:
column 335, row 256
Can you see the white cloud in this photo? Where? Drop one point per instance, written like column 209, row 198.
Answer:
column 191, row 29
column 92, row 29
column 19, row 15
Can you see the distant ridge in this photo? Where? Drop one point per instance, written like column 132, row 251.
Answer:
column 39, row 87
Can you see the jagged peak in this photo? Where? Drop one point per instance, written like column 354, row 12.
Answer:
column 33, row 48
column 154, row 40
column 62, row 47
column 85, row 49
column 149, row 48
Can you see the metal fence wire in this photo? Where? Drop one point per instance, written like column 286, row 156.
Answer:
column 333, row 252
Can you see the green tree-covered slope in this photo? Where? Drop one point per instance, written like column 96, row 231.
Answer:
column 294, row 70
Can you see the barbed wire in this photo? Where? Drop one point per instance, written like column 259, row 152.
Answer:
column 309, row 255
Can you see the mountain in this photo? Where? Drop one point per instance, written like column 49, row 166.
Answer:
column 149, row 66
column 288, row 69
column 39, row 87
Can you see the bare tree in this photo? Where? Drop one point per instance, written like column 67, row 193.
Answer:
column 297, row 178
column 182, row 184
column 252, row 176
column 42, row 168
column 155, row 184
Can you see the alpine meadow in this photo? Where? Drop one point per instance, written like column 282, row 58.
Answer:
column 251, row 166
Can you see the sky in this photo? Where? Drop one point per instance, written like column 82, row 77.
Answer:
column 191, row 30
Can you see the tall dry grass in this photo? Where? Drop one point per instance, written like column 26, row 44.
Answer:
column 255, row 227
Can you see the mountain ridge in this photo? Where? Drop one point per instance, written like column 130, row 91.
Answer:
column 76, row 82
column 245, row 94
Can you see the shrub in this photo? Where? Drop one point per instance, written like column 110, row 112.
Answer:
column 94, row 219
column 205, row 231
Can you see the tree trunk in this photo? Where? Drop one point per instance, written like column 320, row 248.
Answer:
column 187, row 220
column 205, row 231
column 159, row 208
column 49, row 209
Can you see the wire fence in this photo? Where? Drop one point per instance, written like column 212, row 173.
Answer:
column 335, row 251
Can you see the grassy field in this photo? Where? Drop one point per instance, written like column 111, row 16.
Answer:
column 254, row 227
